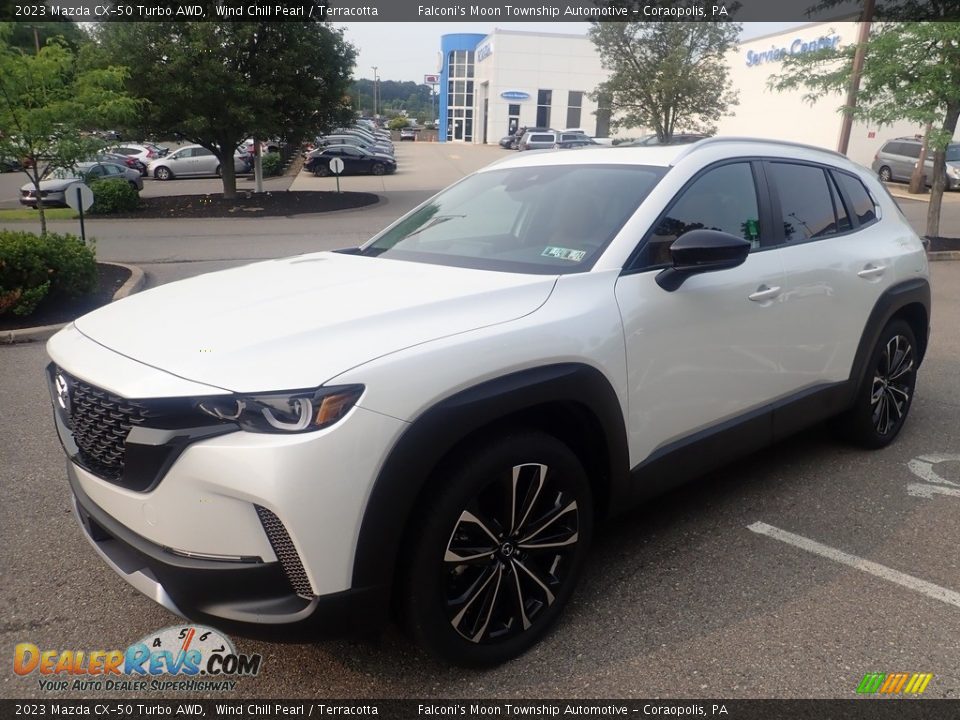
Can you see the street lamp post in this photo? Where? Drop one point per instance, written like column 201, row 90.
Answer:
column 376, row 87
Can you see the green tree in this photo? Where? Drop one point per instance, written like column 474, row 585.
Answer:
column 217, row 83
column 911, row 72
column 666, row 76
column 47, row 100
column 29, row 36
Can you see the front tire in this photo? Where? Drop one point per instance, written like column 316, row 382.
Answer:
column 884, row 398
column 378, row 169
column 497, row 549
column 162, row 173
column 885, row 175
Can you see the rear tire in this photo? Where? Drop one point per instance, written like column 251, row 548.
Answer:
column 886, row 393
column 497, row 549
column 322, row 170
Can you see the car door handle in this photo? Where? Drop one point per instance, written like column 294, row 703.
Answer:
column 871, row 271
column 764, row 292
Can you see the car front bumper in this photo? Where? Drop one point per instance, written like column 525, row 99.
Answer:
column 54, row 199
column 223, row 525
column 251, row 598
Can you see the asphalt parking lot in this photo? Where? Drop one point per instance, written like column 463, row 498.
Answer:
column 789, row 574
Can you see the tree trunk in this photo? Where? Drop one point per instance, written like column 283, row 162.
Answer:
column 940, row 173
column 34, row 175
column 918, row 182
column 227, row 173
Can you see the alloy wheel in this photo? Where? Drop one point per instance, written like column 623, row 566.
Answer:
column 885, row 174
column 509, row 553
column 890, row 395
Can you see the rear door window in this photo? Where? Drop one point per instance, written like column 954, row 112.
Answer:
column 807, row 203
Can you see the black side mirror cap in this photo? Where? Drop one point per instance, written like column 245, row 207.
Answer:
column 700, row 251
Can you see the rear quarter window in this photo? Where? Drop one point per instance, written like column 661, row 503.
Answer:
column 859, row 199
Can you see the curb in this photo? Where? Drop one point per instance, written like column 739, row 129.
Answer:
column 943, row 255
column 905, row 195
column 134, row 283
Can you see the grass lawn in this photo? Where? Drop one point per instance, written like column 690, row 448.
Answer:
column 31, row 214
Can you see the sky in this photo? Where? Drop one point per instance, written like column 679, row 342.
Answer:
column 410, row 50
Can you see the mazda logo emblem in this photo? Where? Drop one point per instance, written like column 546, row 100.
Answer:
column 63, row 392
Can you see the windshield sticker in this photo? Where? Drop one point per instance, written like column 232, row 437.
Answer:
column 564, row 253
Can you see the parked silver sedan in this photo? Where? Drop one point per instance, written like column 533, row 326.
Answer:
column 55, row 182
column 191, row 161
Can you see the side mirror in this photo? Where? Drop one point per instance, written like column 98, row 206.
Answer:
column 700, row 251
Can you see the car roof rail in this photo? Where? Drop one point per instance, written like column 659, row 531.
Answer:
column 729, row 139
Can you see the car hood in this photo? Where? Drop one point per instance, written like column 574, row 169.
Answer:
column 52, row 185
column 297, row 322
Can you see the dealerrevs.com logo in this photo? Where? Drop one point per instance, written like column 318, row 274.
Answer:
column 180, row 657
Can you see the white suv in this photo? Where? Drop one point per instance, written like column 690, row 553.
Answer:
column 434, row 422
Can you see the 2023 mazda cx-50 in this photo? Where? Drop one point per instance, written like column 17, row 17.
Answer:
column 434, row 422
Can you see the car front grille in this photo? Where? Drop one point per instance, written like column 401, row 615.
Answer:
column 100, row 422
column 286, row 552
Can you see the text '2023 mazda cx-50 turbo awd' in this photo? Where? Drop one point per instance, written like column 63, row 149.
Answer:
column 434, row 422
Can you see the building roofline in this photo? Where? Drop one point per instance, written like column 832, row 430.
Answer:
column 534, row 33
column 800, row 28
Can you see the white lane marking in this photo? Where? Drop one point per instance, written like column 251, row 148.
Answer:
column 922, row 467
column 936, row 592
column 928, row 491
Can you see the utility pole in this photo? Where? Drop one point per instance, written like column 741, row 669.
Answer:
column 375, row 88
column 863, row 36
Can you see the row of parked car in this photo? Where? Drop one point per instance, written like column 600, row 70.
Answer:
column 159, row 162
column 135, row 161
column 539, row 138
column 363, row 148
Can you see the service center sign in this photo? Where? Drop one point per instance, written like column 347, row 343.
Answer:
column 798, row 46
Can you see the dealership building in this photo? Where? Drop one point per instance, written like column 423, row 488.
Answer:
column 490, row 84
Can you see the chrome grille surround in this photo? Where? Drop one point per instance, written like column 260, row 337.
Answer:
column 286, row 552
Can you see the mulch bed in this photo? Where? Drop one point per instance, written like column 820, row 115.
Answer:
column 248, row 204
column 940, row 244
column 52, row 311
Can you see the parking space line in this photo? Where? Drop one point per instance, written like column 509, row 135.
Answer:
column 882, row 571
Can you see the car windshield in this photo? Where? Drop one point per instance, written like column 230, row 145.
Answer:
column 553, row 220
column 61, row 174
column 953, row 153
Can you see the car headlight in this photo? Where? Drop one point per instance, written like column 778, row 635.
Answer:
column 953, row 170
column 284, row 412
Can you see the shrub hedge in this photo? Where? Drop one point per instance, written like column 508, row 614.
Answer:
column 34, row 267
column 272, row 164
column 113, row 196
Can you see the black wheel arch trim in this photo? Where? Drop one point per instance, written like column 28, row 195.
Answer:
column 894, row 299
column 436, row 432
